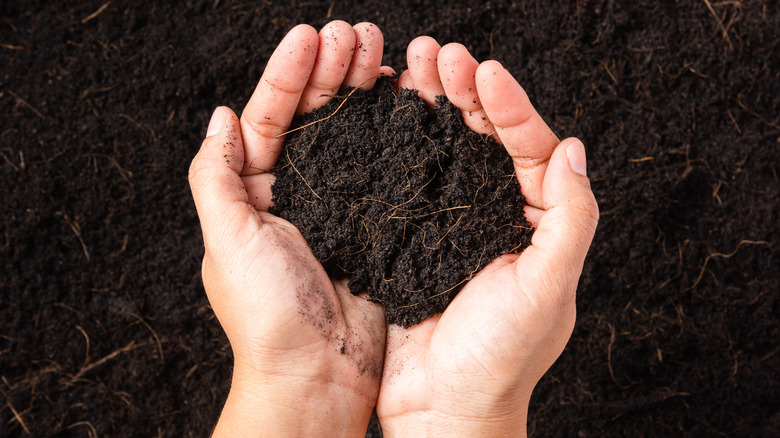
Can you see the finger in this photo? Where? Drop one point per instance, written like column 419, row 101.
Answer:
column 336, row 44
column 364, row 68
column 386, row 70
column 520, row 128
column 421, row 56
column 272, row 106
column 405, row 81
column 457, row 70
column 258, row 189
column 566, row 228
column 214, row 177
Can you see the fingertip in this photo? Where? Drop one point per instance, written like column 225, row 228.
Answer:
column 303, row 31
column 369, row 29
column 405, row 81
column 565, row 181
column 422, row 42
column 340, row 32
column 575, row 154
column 223, row 139
column 386, row 70
column 216, row 122
column 486, row 70
column 449, row 48
column 504, row 100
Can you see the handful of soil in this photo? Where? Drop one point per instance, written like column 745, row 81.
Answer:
column 406, row 202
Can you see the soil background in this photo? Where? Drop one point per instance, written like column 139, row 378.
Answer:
column 105, row 329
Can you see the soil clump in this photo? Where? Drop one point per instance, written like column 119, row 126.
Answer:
column 405, row 201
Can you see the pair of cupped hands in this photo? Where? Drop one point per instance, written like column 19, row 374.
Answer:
column 311, row 359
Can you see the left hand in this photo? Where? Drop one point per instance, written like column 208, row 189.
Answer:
column 471, row 370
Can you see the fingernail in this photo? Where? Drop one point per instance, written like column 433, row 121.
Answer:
column 576, row 155
column 215, row 125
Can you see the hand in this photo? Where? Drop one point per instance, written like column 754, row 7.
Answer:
column 471, row 370
column 308, row 354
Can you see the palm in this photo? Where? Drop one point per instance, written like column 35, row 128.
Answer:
column 288, row 311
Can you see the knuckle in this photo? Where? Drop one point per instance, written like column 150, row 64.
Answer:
column 265, row 129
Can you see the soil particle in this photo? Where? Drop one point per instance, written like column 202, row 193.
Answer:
column 406, row 202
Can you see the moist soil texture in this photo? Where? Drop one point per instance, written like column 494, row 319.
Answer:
column 406, row 202
column 105, row 329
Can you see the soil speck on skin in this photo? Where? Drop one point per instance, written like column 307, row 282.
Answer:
column 406, row 202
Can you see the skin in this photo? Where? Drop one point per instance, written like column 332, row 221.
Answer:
column 470, row 371
column 305, row 349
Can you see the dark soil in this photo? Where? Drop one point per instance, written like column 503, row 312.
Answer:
column 105, row 329
column 406, row 202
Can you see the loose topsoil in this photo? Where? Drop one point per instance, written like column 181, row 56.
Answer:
column 105, row 329
column 406, row 202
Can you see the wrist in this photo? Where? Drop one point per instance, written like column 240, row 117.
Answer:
column 274, row 405
column 465, row 418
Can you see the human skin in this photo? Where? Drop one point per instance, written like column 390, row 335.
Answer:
column 467, row 372
column 471, row 370
column 308, row 354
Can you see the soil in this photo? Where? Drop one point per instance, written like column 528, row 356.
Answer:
column 411, row 214
column 105, row 329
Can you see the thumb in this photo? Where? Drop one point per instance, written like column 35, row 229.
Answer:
column 216, row 185
column 565, row 229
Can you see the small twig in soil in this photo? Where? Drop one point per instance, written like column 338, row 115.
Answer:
column 725, row 256
column 96, row 13
column 334, row 111
column 431, row 213
column 86, row 368
column 452, row 288
column 484, row 178
column 18, row 417
column 77, row 231
column 27, row 104
column 123, row 248
column 738, row 100
column 450, row 229
column 330, row 9
column 124, row 173
column 299, row 174
column 720, row 24
column 156, row 338
column 437, row 152
column 8, row 160
column 471, row 275
column 609, row 358
column 140, row 126
column 86, row 355
column 92, row 432
column 399, row 109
